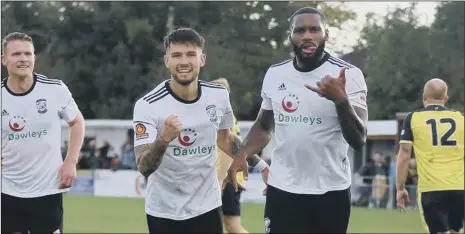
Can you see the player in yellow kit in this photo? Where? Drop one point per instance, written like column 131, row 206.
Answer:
column 436, row 135
column 231, row 199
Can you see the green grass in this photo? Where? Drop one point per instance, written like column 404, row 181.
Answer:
column 125, row 215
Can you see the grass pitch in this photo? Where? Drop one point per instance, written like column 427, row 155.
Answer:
column 125, row 215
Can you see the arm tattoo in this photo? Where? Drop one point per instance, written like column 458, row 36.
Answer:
column 352, row 129
column 149, row 156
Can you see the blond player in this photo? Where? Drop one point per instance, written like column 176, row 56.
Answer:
column 231, row 207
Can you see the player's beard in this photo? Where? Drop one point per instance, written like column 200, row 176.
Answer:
column 312, row 59
column 184, row 82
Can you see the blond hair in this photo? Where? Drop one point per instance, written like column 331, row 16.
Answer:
column 15, row 36
column 222, row 81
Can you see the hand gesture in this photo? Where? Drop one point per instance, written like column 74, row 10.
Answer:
column 331, row 88
column 402, row 196
column 171, row 128
column 239, row 164
column 67, row 174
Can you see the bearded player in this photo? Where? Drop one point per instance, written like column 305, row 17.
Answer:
column 314, row 106
column 178, row 127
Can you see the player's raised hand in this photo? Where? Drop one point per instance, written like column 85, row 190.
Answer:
column 331, row 88
column 171, row 128
column 67, row 174
column 239, row 164
column 402, row 197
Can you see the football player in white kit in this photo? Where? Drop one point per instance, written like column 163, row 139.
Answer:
column 178, row 126
column 316, row 105
column 34, row 175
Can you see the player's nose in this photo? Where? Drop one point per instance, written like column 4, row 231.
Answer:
column 307, row 36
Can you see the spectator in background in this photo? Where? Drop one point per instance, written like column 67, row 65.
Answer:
column 392, row 179
column 374, row 175
column 379, row 184
column 411, row 182
column 128, row 158
column 88, row 158
column 104, row 155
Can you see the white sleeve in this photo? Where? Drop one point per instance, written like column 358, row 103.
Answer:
column 266, row 101
column 356, row 88
column 227, row 121
column 68, row 107
column 144, row 123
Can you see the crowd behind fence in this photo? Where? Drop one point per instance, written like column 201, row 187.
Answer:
column 373, row 186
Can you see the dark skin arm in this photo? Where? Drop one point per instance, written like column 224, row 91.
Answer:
column 258, row 137
column 149, row 156
column 260, row 134
column 230, row 144
column 353, row 129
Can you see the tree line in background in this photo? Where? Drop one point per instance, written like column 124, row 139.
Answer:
column 111, row 53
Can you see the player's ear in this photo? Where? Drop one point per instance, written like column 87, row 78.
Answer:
column 446, row 98
column 203, row 60
column 3, row 60
column 166, row 60
column 327, row 34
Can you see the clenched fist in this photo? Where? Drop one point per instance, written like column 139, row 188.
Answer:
column 171, row 128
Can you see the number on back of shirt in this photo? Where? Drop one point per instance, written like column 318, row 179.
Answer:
column 444, row 140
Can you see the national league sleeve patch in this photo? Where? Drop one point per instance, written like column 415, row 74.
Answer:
column 141, row 131
column 363, row 99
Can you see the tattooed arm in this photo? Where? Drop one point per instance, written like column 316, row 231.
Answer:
column 230, row 144
column 149, row 156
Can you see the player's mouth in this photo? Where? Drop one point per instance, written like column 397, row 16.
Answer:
column 308, row 48
column 22, row 66
column 184, row 69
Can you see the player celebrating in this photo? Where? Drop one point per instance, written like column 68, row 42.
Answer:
column 231, row 207
column 34, row 175
column 316, row 105
column 436, row 134
column 178, row 126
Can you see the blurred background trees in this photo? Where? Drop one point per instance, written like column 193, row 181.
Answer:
column 111, row 53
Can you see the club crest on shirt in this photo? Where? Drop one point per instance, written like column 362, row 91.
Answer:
column 141, row 131
column 211, row 112
column 41, row 105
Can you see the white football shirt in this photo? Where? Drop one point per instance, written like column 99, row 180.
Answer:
column 310, row 152
column 31, row 137
column 185, row 185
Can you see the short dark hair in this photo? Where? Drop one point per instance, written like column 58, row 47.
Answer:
column 308, row 10
column 15, row 36
column 184, row 35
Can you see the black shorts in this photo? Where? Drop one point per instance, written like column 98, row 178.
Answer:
column 443, row 210
column 209, row 222
column 33, row 215
column 231, row 201
column 306, row 213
